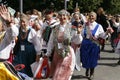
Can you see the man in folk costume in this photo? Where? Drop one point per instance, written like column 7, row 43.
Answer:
column 90, row 47
column 48, row 25
column 63, row 62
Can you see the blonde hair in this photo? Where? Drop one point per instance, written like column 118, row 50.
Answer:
column 24, row 17
column 93, row 13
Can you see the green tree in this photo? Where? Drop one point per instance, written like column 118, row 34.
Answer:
column 88, row 5
column 111, row 6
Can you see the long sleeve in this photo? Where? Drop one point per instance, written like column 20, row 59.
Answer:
column 8, row 41
column 32, row 37
column 10, row 35
column 76, row 38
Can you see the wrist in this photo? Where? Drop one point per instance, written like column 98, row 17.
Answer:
column 8, row 22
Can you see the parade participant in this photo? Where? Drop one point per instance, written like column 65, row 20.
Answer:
column 117, row 46
column 34, row 23
column 17, row 18
column 78, row 23
column 59, row 44
column 27, row 48
column 8, row 33
column 102, row 20
column 48, row 25
column 77, row 10
column 90, row 47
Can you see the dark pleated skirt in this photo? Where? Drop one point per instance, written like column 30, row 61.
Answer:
column 89, row 53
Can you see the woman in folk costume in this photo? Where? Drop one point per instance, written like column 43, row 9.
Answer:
column 63, row 62
column 28, row 47
column 117, row 46
column 90, row 47
column 8, row 33
column 78, row 23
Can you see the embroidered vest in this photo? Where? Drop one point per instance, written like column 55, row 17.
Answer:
column 65, row 42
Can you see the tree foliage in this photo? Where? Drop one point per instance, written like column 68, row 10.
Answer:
column 88, row 5
column 110, row 6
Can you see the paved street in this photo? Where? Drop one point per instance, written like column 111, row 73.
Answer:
column 107, row 68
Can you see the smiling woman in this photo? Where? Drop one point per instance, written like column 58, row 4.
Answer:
column 90, row 47
column 59, row 44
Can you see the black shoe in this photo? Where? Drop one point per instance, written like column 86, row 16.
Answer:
column 86, row 74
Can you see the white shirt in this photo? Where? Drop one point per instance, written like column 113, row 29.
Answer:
column 99, row 33
column 33, row 38
column 8, row 41
column 77, row 38
column 45, row 24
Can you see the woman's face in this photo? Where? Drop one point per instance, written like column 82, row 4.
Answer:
column 76, row 17
column 92, row 18
column 24, row 24
column 49, row 16
column 63, row 18
column 31, row 22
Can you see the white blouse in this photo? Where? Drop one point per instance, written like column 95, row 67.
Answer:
column 77, row 38
column 33, row 38
column 99, row 32
column 8, row 41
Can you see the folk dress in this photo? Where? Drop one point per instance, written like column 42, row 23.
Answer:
column 63, row 62
column 27, row 51
column 89, row 51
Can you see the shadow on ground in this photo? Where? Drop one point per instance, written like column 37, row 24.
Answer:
column 109, row 51
column 109, row 64
column 79, row 77
column 108, row 58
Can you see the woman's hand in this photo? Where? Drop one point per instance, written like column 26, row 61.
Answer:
column 79, row 29
column 109, row 30
column 4, row 13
